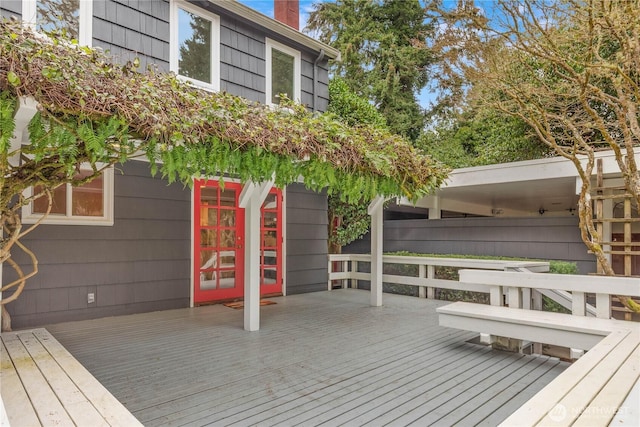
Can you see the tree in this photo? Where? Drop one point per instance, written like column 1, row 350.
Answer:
column 384, row 54
column 61, row 16
column 97, row 113
column 569, row 69
column 195, row 52
column 479, row 137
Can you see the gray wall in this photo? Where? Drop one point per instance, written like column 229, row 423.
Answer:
column 306, row 240
column 141, row 263
column 9, row 8
column 541, row 238
column 135, row 28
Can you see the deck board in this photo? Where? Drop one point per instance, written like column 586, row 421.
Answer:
column 321, row 357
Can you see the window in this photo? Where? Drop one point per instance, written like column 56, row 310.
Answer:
column 89, row 204
column 282, row 73
column 74, row 17
column 195, row 51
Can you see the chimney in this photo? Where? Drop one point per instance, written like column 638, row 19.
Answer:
column 288, row 12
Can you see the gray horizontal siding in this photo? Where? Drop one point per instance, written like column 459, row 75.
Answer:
column 540, row 238
column 306, row 240
column 9, row 8
column 141, row 263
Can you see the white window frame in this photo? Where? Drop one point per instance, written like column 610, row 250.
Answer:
column 85, row 19
column 215, row 44
column 29, row 217
column 270, row 45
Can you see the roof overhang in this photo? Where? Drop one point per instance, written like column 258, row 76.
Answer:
column 271, row 24
column 527, row 188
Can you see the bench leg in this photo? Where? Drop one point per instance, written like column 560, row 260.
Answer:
column 486, row 339
column 575, row 353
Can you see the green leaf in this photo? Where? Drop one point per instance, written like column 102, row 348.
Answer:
column 13, row 79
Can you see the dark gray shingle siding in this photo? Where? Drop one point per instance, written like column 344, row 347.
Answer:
column 141, row 263
column 306, row 240
column 540, row 238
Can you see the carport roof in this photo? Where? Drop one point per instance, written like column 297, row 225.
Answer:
column 515, row 189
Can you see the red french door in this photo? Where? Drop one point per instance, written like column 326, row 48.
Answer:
column 219, row 242
column 271, row 243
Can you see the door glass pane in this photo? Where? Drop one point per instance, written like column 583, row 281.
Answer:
column 208, row 217
column 194, row 39
column 227, row 218
column 227, row 259
column 282, row 67
column 269, row 257
column 227, row 238
column 87, row 200
column 58, row 200
column 208, row 280
column 209, row 196
column 208, row 259
column 59, row 15
column 227, row 279
column 269, row 239
column 270, row 219
column 228, row 198
column 270, row 202
column 208, row 238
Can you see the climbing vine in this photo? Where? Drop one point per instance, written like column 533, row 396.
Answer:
column 96, row 113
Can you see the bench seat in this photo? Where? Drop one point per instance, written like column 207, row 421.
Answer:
column 41, row 383
column 592, row 390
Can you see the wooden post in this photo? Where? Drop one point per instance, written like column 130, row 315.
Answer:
column 603, row 306
column 431, row 274
column 422, row 273
column 330, row 270
column 376, row 212
column 515, row 297
column 251, row 199
column 345, row 268
column 354, row 269
column 578, row 304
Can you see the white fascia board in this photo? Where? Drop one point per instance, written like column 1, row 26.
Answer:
column 529, row 170
column 278, row 27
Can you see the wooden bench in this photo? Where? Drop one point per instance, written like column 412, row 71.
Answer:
column 41, row 383
column 593, row 390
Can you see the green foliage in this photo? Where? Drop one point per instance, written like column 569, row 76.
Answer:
column 482, row 137
column 94, row 111
column 352, row 108
column 349, row 221
column 7, row 124
column 384, row 54
column 563, row 267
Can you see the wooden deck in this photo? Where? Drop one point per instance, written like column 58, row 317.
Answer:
column 322, row 358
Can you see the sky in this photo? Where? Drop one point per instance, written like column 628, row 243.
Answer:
column 266, row 7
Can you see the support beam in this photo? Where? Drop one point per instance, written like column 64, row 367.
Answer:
column 376, row 212
column 251, row 199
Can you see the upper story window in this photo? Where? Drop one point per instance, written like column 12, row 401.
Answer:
column 72, row 17
column 195, row 47
column 282, row 72
column 89, row 204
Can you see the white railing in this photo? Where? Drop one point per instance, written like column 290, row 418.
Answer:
column 519, row 288
column 426, row 280
column 504, row 288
